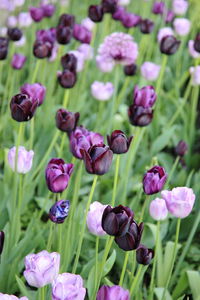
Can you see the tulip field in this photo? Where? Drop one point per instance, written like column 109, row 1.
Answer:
column 99, row 150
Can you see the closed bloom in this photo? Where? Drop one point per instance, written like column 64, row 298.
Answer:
column 42, row 49
column 48, row 10
column 169, row 16
column 37, row 13
column 164, row 32
column 158, row 209
column 144, row 255
column 179, row 201
column 197, row 43
column 80, row 59
column 146, row 26
column 130, row 70
column 94, row 218
column 11, row 297
column 59, row 211
column 112, row 292
column 95, row 13
column 68, row 286
column 41, row 268
column 35, row 91
column 14, row 34
column 97, row 159
column 169, row 45
column 118, row 142
column 18, row 61
column 109, row 6
column 82, row 34
column 24, row 160
column 158, row 8
column 182, row 26
column 22, row 107
column 88, row 23
column 145, row 96
column 24, row 19
column 154, row 180
column 63, row 34
column 58, row 174
column 119, row 13
column 150, row 71
column 181, row 148
column 140, row 116
column 69, row 62
column 66, row 121
column 2, row 238
column 67, row 79
column 129, row 20
column 192, row 51
column 66, row 20
column 195, row 74
column 180, row 7
column 102, row 91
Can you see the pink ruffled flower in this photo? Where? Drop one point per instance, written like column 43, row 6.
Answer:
column 150, row 71
column 182, row 26
column 179, row 201
column 195, row 74
column 158, row 209
column 24, row 161
column 192, row 51
column 94, row 218
column 102, row 91
column 11, row 297
column 87, row 51
column 12, row 21
column 164, row 32
column 180, row 7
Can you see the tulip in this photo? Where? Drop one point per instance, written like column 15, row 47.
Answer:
column 158, row 209
column 118, row 142
column 69, row 62
column 179, row 201
column 66, row 121
column 130, row 20
column 18, row 60
column 3, row 48
column 163, row 32
column 145, row 96
column 97, row 159
column 140, row 116
column 192, row 51
column 95, row 13
column 14, row 34
column 46, row 35
column 94, row 218
column 22, row 107
column 88, row 23
column 24, row 159
column 102, row 91
column 41, row 268
column 158, row 8
column 59, row 211
column 2, row 238
column 37, row 13
column 35, row 91
column 80, row 59
column 169, row 45
column 154, row 180
column 12, row 21
column 130, row 70
column 63, row 34
column 68, row 286
column 119, row 13
column 87, row 51
column 114, row 292
column 197, row 43
column 48, row 10
column 42, row 49
column 58, row 174
column 195, row 75
column 24, row 19
column 180, row 7
column 146, row 26
column 169, row 16
column 109, row 6
column 66, row 20
column 144, row 255
column 150, row 71
column 67, row 79
column 181, row 148
column 182, row 26
column 11, row 297
column 104, row 66
column 82, row 34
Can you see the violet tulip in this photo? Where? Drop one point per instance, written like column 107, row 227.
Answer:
column 58, row 175
column 59, row 211
column 158, row 209
column 94, row 218
column 144, row 255
column 118, row 142
column 140, row 116
column 69, row 62
column 18, row 61
column 158, row 7
column 146, row 26
column 109, row 6
column 48, row 10
column 66, row 121
column 35, row 91
column 181, row 148
column 24, row 160
column 22, row 107
column 82, row 34
column 114, row 292
column 130, row 20
column 37, row 13
column 144, row 97
column 154, row 180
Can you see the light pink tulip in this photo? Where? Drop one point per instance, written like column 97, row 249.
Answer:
column 102, row 91
column 195, row 75
column 158, row 209
column 94, row 218
column 11, row 297
column 24, row 161
column 180, row 7
column 182, row 26
column 192, row 51
column 150, row 71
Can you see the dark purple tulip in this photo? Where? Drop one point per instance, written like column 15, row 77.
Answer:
column 67, row 79
column 144, row 255
column 82, row 34
column 115, row 292
column 131, row 240
column 144, row 97
column 130, row 70
column 48, row 10
column 140, row 116
column 154, row 180
column 197, row 42
column 35, row 91
column 66, row 20
column 69, row 62
column 169, row 45
column 42, row 50
column 37, row 13
column 181, row 148
column 118, row 15
column 97, row 159
column 118, row 142
column 130, row 20
column 58, row 175
column 59, row 211
column 14, row 34
column 146, row 26
column 18, row 61
column 158, row 8
column 116, row 221
column 22, row 107
column 2, row 238
column 66, row 121
column 63, row 34
column 169, row 17
column 46, row 35
column 95, row 13
column 3, row 48
column 109, row 6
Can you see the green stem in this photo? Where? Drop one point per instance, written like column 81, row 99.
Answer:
column 31, row 133
column 124, row 268
column 136, row 279
column 96, row 260
column 173, row 169
column 36, row 69
column 114, row 98
column 83, row 225
column 49, row 243
column 161, row 75
column 66, row 98
column 143, row 208
column 42, row 293
column 115, row 180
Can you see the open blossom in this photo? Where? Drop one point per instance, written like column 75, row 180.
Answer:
column 94, row 218
column 180, row 7
column 182, row 26
column 195, row 74
column 164, row 32
column 179, row 201
column 24, row 161
column 102, row 91
column 118, row 48
column 192, row 51
column 154, row 180
column 114, row 292
column 150, row 71
column 11, row 297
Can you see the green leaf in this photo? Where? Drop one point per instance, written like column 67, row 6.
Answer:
column 23, row 289
column 109, row 263
column 162, row 141
column 159, row 293
column 194, row 282
column 181, row 286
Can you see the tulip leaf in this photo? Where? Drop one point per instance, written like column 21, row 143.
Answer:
column 109, row 263
column 162, row 141
column 159, row 293
column 90, row 282
column 194, row 282
column 181, row 286
column 23, row 289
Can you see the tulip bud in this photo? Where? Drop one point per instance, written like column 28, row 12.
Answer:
column 41, row 49
column 169, row 45
column 119, row 14
column 158, row 8
column 63, row 34
column 58, row 174
column 181, row 148
column 14, row 34
column 144, row 255
column 66, row 20
column 169, row 16
column 66, row 121
column 163, row 32
column 146, row 26
column 59, row 211
column 94, row 218
column 118, row 142
column 102, row 91
column 18, row 61
column 97, row 159
column 140, row 116
column 3, row 48
column 154, row 180
column 37, row 13
column 24, row 159
column 35, row 91
column 95, row 13
column 197, row 43
column 158, row 209
column 48, row 10
column 67, row 79
column 114, row 292
column 69, row 62
column 82, row 34
column 109, row 6
column 22, row 107
column 2, row 237
column 130, row 20
column 145, row 96
column 130, row 70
